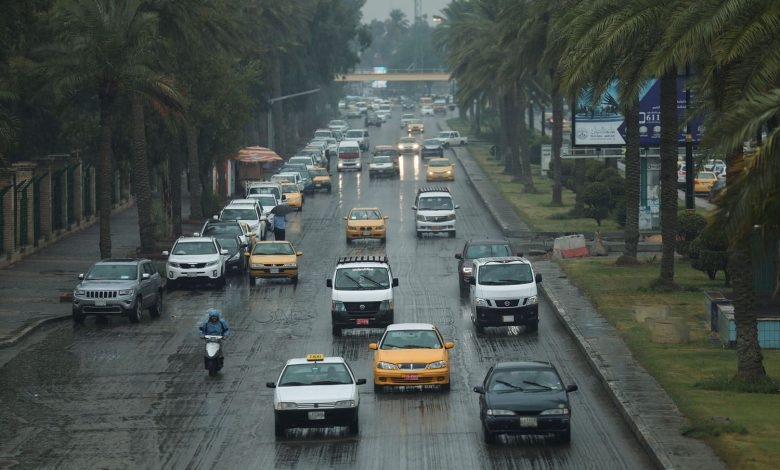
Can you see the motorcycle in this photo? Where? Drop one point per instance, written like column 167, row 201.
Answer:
column 213, row 359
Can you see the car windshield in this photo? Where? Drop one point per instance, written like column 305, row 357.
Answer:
column 322, row 134
column 238, row 214
column 316, row 373
column 264, row 190
column 273, row 249
column 194, row 248
column 705, row 175
column 411, row 339
column 487, row 251
column 112, row 272
column 230, row 244
column 338, row 123
column 505, row 274
column 440, row 203
column 439, row 163
column 524, row 380
column 362, row 278
column 354, row 134
column 365, row 214
column 381, row 159
column 289, row 188
column 267, row 201
column 222, row 229
column 431, row 143
column 318, row 172
column 408, row 140
column 304, row 160
column 388, row 152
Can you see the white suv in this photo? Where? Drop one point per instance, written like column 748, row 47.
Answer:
column 195, row 258
column 248, row 212
column 435, row 211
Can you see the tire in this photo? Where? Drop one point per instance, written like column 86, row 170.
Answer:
column 329, row 189
column 419, row 234
column 446, row 387
column 489, row 437
column 294, row 279
column 213, row 369
column 170, row 285
column 136, row 313
column 464, row 288
column 379, row 388
column 480, row 329
column 279, row 429
column 452, row 234
column 532, row 327
column 252, row 281
column 564, row 437
column 383, row 240
column 336, row 330
column 156, row 310
column 222, row 280
column 349, row 240
column 354, row 426
column 78, row 318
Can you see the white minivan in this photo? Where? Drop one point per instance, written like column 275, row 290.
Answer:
column 435, row 211
column 504, row 293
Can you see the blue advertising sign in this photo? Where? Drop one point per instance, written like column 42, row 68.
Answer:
column 603, row 125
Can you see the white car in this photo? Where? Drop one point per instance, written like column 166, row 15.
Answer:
column 316, row 392
column 195, row 258
column 426, row 111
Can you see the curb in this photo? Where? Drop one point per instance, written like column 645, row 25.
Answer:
column 29, row 329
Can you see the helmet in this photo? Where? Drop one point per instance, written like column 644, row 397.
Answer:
column 213, row 312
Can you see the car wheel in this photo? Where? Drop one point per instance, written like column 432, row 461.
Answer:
column 379, row 388
column 136, row 313
column 156, row 309
column 480, row 329
column 279, row 429
column 445, row 387
column 349, row 240
column 170, row 285
column 489, row 437
column 328, row 188
column 452, row 234
column 383, row 240
column 464, row 288
column 565, row 436
column 252, row 281
column 336, row 330
column 419, row 234
column 532, row 327
column 222, row 280
column 78, row 318
column 294, row 279
column 354, row 426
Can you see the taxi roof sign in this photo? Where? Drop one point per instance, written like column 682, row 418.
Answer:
column 315, row 357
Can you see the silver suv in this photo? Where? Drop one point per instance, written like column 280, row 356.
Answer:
column 122, row 286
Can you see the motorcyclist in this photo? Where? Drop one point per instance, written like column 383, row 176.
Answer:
column 214, row 325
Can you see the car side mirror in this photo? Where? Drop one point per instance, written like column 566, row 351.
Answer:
column 395, row 282
column 480, row 389
column 195, row 234
column 215, row 217
column 449, row 345
column 345, row 217
column 165, row 253
column 414, row 208
column 520, row 254
column 457, row 206
column 329, row 282
column 81, row 276
column 298, row 253
column 373, row 346
column 270, row 384
column 223, row 252
column 145, row 276
column 360, row 381
column 538, row 278
column 458, row 256
column 386, row 217
column 571, row 388
column 472, row 281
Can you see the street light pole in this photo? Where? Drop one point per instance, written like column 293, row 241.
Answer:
column 270, row 119
column 690, row 202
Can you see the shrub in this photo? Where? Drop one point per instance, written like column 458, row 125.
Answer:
column 689, row 226
column 708, row 253
column 598, row 201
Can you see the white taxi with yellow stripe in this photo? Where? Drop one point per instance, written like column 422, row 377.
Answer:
column 316, row 392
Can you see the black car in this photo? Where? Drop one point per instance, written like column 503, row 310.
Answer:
column 431, row 148
column 236, row 261
column 224, row 228
column 479, row 248
column 524, row 398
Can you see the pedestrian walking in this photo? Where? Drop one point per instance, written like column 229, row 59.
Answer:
column 280, row 224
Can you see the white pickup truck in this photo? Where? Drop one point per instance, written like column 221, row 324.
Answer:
column 451, row 138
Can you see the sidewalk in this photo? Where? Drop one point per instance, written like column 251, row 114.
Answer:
column 647, row 408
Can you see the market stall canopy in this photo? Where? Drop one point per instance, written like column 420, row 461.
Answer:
column 257, row 154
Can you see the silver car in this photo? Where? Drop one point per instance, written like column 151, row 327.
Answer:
column 122, row 286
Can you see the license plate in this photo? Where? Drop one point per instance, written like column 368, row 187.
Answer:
column 316, row 415
column 362, row 321
column 317, row 185
column 527, row 422
column 435, row 228
column 411, row 377
column 366, row 234
column 508, row 318
column 192, row 274
column 100, row 303
column 274, row 270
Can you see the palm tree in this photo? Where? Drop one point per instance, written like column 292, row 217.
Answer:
column 104, row 49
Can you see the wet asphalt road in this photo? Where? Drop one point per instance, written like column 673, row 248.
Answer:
column 115, row 395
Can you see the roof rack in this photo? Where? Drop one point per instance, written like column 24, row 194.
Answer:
column 363, row 259
column 431, row 189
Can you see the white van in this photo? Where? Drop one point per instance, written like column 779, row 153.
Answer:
column 362, row 293
column 504, row 293
column 435, row 211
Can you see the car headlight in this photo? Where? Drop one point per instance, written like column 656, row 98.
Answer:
column 451, row 217
column 338, row 306
column 127, row 292
column 400, row 147
column 173, row 264
column 449, row 172
column 415, row 146
column 380, row 227
column 482, row 302
column 79, row 292
column 212, row 263
column 467, row 270
column 556, row 411
column 531, row 300
column 235, row 256
column 437, row 365
column 420, row 218
column 385, row 305
column 256, row 265
column 286, row 405
column 345, row 404
column 386, row 365
column 491, row 412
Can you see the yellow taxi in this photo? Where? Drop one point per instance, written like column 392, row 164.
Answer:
column 440, row 169
column 411, row 354
column 320, row 177
column 292, row 195
column 366, row 222
column 273, row 259
column 703, row 182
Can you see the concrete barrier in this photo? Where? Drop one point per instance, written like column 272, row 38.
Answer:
column 570, row 246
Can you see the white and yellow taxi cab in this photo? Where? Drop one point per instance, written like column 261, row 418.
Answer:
column 316, row 392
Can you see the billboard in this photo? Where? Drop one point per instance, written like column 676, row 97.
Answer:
column 603, row 124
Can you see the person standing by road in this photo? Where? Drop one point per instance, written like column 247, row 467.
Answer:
column 280, row 224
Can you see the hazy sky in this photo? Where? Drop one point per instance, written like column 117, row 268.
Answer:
column 380, row 9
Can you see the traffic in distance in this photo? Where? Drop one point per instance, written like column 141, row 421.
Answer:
column 381, row 346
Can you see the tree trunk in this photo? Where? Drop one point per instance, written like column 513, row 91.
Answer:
column 750, row 365
column 277, row 107
column 631, row 230
column 669, row 133
column 557, row 143
column 175, row 171
column 579, row 186
column 143, row 197
column 508, row 128
column 523, row 131
column 105, row 172
column 196, row 188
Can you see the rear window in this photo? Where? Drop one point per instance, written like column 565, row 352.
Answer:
column 354, row 134
column 238, row 214
column 348, row 149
